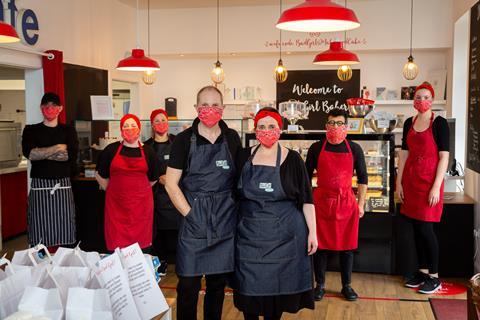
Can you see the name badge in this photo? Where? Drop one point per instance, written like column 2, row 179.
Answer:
column 267, row 186
column 222, row 164
column 166, row 157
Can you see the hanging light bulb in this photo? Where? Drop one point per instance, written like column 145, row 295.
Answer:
column 280, row 73
column 344, row 72
column 217, row 75
column 149, row 77
column 410, row 69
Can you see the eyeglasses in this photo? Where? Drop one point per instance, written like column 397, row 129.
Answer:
column 338, row 123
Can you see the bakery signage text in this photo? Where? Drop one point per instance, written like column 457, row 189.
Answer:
column 25, row 21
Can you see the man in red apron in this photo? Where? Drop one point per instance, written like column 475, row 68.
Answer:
column 337, row 210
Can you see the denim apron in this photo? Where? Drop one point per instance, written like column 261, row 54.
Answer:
column 271, row 243
column 206, row 235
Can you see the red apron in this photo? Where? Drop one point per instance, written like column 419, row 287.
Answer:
column 128, row 202
column 419, row 175
column 335, row 204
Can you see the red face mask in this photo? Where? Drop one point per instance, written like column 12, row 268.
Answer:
column 51, row 112
column 422, row 106
column 336, row 135
column 268, row 137
column 131, row 134
column 210, row 116
column 161, row 127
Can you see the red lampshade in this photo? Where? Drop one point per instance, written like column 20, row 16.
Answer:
column 8, row 33
column 318, row 16
column 138, row 62
column 336, row 55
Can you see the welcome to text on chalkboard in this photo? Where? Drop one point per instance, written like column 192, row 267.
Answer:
column 321, row 90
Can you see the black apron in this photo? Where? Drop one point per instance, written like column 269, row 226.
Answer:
column 166, row 215
column 206, row 235
column 271, row 249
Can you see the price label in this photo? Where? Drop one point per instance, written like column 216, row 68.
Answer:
column 379, row 204
column 383, row 123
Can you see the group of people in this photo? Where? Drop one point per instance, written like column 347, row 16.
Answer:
column 246, row 217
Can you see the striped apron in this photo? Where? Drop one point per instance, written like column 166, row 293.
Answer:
column 51, row 212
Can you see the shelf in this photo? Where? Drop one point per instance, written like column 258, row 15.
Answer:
column 404, row 102
column 237, row 102
column 376, row 156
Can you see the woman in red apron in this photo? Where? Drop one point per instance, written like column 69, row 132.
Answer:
column 336, row 208
column 127, row 170
column 422, row 166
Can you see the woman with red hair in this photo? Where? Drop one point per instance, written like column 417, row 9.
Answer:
column 127, row 170
column 166, row 218
column 422, row 166
column 276, row 232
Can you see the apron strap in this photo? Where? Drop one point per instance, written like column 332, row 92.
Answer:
column 279, row 157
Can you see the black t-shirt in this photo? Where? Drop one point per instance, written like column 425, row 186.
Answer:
column 155, row 145
column 106, row 157
column 358, row 158
column 181, row 145
column 293, row 174
column 41, row 136
column 441, row 133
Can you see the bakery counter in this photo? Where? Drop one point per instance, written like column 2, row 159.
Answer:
column 13, row 201
column 455, row 238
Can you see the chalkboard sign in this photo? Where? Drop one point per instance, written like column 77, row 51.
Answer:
column 473, row 133
column 321, row 90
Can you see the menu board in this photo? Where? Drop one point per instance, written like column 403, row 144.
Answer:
column 473, row 133
column 321, row 90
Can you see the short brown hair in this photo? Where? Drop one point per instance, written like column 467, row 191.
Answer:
column 209, row 88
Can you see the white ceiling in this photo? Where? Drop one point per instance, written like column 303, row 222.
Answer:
column 177, row 4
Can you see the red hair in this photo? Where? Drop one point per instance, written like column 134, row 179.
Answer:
column 130, row 116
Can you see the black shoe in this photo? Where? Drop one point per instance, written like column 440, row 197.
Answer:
column 417, row 280
column 319, row 293
column 431, row 285
column 349, row 293
column 162, row 268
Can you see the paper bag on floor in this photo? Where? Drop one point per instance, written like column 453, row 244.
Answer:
column 145, row 290
column 42, row 302
column 12, row 288
column 113, row 278
column 86, row 304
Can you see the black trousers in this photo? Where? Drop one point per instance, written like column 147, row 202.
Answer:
column 164, row 244
column 187, row 296
column 426, row 244
column 320, row 260
column 247, row 316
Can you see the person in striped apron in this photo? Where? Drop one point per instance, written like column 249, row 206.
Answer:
column 52, row 150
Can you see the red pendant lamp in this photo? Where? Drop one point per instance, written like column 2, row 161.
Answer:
column 318, row 16
column 138, row 61
column 8, row 33
column 336, row 55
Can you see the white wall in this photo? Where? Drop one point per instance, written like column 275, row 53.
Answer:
column 181, row 78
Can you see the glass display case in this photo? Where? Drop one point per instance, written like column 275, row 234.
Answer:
column 95, row 134
column 379, row 158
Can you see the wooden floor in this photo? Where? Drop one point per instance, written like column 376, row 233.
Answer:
column 379, row 296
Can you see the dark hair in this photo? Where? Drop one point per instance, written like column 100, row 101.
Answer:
column 338, row 113
column 209, row 88
column 50, row 97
